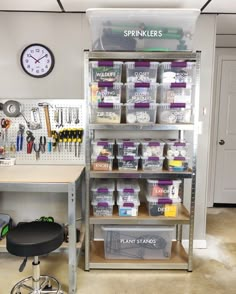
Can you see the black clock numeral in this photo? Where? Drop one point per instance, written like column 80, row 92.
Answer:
column 48, row 60
column 28, row 55
column 37, row 50
column 46, row 66
column 42, row 70
column 28, row 66
column 27, row 60
column 32, row 51
column 37, row 71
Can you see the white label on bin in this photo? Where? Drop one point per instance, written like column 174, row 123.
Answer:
column 142, row 33
column 138, row 241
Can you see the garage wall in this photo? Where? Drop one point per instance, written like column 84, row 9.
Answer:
column 67, row 35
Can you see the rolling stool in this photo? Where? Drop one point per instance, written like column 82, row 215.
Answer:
column 32, row 240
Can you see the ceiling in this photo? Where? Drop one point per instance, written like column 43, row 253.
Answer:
column 226, row 22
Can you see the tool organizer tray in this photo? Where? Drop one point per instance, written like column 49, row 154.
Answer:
column 67, row 153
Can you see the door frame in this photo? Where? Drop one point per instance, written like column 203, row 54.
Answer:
column 220, row 58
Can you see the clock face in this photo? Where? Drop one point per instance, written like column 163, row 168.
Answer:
column 37, row 60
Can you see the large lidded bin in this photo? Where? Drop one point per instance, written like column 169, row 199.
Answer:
column 142, row 29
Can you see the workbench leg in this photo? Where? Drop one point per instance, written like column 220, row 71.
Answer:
column 72, row 238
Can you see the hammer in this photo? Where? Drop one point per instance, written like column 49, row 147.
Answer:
column 47, row 117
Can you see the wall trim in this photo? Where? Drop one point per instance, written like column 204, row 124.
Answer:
column 197, row 244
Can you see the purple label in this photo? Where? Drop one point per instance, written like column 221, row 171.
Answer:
column 128, row 190
column 102, row 190
column 128, row 144
column 179, row 144
column 177, row 105
column 105, row 63
column 102, row 204
column 102, row 143
column 142, row 85
column 154, row 158
column 154, row 144
column 128, row 204
column 105, row 105
column 102, row 158
column 141, row 105
column 165, row 182
column 142, row 64
column 179, row 64
column 179, row 158
column 178, row 85
column 164, row 201
column 127, row 158
column 105, row 84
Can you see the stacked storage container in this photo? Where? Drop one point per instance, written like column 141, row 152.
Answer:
column 175, row 92
column 105, row 91
column 102, row 154
column 128, row 154
column 163, row 197
column 103, row 197
column 128, row 197
column 141, row 90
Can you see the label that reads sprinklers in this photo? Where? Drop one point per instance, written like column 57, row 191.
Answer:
column 143, row 33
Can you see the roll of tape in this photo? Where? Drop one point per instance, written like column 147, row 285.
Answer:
column 12, row 108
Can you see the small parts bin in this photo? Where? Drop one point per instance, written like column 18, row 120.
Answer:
column 101, row 163
column 103, row 147
column 165, row 207
column 174, row 93
column 141, row 92
column 128, row 208
column 138, row 242
column 175, row 148
column 103, row 190
column 154, row 163
column 177, row 164
column 105, row 71
column 163, row 188
column 141, row 113
column 177, row 72
column 128, row 189
column 128, row 162
column 127, row 147
column 105, row 92
column 152, row 147
column 103, row 208
column 106, row 113
column 141, row 71
column 171, row 113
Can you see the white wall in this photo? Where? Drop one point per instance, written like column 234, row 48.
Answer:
column 67, row 35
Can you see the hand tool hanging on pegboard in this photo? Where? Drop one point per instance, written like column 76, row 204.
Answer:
column 30, row 141
column 45, row 106
column 20, row 138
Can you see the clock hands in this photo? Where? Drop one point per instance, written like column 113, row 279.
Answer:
column 37, row 60
column 42, row 57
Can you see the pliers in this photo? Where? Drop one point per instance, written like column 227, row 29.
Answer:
column 30, row 141
column 42, row 144
column 19, row 139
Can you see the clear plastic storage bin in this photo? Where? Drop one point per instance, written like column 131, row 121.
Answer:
column 177, row 164
column 163, row 188
column 128, row 162
column 106, row 113
column 105, row 92
column 127, row 147
column 138, row 242
column 105, row 71
column 152, row 147
column 139, row 29
column 175, row 148
column 128, row 189
column 165, row 207
column 103, row 208
column 177, row 72
column 141, row 113
column 103, row 190
column 102, row 147
column 141, row 92
column 128, row 208
column 102, row 163
column 141, row 71
column 152, row 163
column 174, row 93
column 171, row 113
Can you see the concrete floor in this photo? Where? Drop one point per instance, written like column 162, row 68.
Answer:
column 214, row 269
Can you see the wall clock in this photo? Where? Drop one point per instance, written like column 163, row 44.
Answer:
column 37, row 60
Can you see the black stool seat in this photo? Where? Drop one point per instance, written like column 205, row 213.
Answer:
column 35, row 238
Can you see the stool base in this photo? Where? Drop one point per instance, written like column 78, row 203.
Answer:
column 52, row 284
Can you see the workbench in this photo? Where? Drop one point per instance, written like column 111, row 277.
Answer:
column 48, row 178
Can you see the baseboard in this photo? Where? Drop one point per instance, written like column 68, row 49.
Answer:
column 197, row 244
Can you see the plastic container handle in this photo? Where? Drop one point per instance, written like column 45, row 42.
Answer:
column 142, row 85
column 128, row 204
column 141, row 105
column 102, row 204
column 128, row 190
column 179, row 64
column 105, row 63
column 178, row 85
column 105, row 105
column 142, row 64
column 105, row 84
column 177, row 105
column 165, row 182
column 102, row 190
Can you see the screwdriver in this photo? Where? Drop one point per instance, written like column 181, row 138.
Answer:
column 61, row 137
column 80, row 139
column 74, row 140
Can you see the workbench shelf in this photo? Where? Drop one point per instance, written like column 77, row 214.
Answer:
column 94, row 248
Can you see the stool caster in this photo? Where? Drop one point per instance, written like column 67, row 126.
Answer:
column 47, row 285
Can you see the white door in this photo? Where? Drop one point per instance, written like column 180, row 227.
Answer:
column 225, row 176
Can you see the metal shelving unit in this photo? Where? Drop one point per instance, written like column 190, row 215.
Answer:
column 94, row 250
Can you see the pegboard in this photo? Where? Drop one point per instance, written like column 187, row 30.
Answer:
column 70, row 108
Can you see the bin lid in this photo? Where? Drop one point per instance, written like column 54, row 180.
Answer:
column 127, row 186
